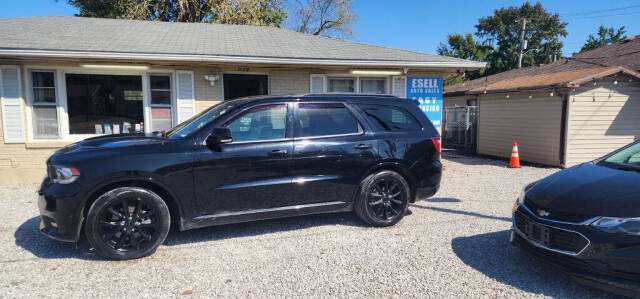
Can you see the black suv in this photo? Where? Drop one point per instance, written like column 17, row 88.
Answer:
column 243, row 160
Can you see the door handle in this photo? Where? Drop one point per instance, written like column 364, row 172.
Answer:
column 363, row 146
column 278, row 152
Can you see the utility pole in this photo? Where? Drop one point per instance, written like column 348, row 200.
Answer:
column 523, row 42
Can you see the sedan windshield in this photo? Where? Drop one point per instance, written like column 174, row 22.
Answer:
column 200, row 120
column 626, row 159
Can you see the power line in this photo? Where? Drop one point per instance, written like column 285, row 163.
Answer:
column 604, row 16
column 599, row 11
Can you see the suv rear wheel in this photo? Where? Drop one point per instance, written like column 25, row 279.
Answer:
column 383, row 198
column 127, row 223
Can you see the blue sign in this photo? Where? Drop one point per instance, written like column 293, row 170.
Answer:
column 428, row 91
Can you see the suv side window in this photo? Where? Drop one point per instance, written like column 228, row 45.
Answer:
column 325, row 119
column 264, row 122
column 390, row 118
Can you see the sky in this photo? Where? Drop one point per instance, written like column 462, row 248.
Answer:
column 421, row 25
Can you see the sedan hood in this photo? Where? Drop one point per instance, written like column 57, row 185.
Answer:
column 589, row 189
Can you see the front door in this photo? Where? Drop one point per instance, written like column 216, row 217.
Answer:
column 243, row 85
column 331, row 153
column 252, row 172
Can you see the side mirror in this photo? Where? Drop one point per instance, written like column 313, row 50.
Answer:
column 217, row 137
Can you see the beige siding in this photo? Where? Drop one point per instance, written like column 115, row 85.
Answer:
column 534, row 123
column 602, row 118
column 289, row 82
column 458, row 101
column 206, row 95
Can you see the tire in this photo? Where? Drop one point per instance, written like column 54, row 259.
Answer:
column 138, row 233
column 383, row 198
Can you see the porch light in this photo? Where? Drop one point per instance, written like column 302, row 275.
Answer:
column 376, row 72
column 135, row 67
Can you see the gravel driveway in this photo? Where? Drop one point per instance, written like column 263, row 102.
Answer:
column 452, row 245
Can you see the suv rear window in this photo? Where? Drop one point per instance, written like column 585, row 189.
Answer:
column 390, row 118
column 324, row 119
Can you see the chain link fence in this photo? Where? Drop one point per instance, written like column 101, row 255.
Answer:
column 460, row 127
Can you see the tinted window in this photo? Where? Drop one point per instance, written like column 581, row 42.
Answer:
column 325, row 119
column 390, row 118
column 260, row 123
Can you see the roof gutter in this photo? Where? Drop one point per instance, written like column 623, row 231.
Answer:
column 236, row 59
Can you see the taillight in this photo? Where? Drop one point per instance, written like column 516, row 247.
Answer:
column 436, row 143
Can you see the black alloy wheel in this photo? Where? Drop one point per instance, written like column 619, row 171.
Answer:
column 386, row 200
column 383, row 198
column 127, row 223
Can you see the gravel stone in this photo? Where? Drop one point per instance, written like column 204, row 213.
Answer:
column 452, row 245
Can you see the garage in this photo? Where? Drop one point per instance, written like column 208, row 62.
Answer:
column 564, row 113
column 535, row 123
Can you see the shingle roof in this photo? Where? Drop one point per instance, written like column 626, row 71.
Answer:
column 571, row 78
column 117, row 38
column 624, row 54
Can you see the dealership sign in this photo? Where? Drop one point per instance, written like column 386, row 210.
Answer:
column 427, row 91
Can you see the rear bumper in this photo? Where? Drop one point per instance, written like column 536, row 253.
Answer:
column 587, row 272
column 427, row 177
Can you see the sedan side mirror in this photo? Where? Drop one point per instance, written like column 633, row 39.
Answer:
column 218, row 136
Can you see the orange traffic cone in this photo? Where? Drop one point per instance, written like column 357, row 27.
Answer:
column 514, row 162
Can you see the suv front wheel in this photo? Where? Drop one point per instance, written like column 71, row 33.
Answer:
column 383, row 198
column 127, row 223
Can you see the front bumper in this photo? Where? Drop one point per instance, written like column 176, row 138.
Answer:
column 60, row 212
column 608, row 262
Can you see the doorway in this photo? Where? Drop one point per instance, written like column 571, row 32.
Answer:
column 241, row 85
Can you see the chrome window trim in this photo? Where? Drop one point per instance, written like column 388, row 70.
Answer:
column 515, row 228
column 361, row 132
column 257, row 211
column 259, row 141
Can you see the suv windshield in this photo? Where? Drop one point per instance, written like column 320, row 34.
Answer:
column 626, row 159
column 200, row 120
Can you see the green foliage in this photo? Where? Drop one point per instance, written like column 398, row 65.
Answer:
column 252, row 12
column 464, row 47
column 502, row 31
column 606, row 36
column 498, row 41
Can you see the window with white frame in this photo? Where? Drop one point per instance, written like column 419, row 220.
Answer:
column 160, row 101
column 341, row 84
column 104, row 104
column 373, row 85
column 44, row 105
column 95, row 104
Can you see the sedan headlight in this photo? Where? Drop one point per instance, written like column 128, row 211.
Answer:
column 64, row 174
column 520, row 198
column 630, row 226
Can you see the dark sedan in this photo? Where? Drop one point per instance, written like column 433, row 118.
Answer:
column 586, row 219
column 243, row 160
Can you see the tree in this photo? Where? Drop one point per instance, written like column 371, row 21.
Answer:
column 464, row 47
column 251, row 12
column 498, row 41
column 606, row 36
column 502, row 31
column 331, row 18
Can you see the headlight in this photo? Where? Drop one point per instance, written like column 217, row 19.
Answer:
column 629, row 226
column 63, row 174
column 520, row 198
